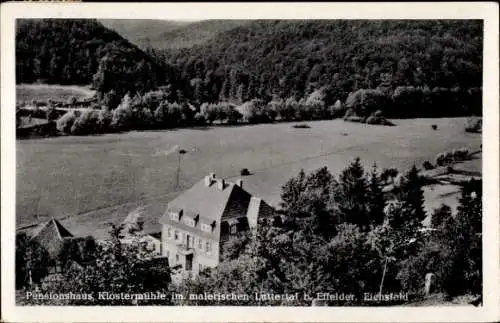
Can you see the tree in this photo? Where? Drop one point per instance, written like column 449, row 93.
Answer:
column 32, row 260
column 411, row 195
column 440, row 216
column 79, row 250
column 104, row 117
column 119, row 268
column 122, row 115
column 351, row 195
column 86, row 123
column 375, row 198
column 366, row 101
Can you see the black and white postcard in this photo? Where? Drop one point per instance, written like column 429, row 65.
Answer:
column 250, row 162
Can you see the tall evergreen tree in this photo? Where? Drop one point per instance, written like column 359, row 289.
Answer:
column 351, row 195
column 375, row 198
column 412, row 196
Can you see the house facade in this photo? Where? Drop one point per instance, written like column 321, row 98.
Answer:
column 196, row 224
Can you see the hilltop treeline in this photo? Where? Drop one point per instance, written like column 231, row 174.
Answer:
column 293, row 70
column 82, row 51
column 418, row 68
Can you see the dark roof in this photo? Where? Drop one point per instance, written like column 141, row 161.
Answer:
column 210, row 203
column 51, row 236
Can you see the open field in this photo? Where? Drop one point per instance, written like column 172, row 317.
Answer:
column 44, row 92
column 102, row 178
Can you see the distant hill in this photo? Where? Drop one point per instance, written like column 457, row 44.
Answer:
column 294, row 57
column 195, row 33
column 170, row 34
column 143, row 32
column 83, row 52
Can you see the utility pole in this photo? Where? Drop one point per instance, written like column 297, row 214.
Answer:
column 181, row 152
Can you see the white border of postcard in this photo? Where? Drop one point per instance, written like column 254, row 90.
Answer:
column 488, row 11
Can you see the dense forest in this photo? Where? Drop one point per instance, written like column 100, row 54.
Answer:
column 295, row 70
column 436, row 64
column 82, row 51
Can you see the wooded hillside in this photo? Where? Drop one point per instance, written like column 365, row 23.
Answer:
column 441, row 59
column 83, row 51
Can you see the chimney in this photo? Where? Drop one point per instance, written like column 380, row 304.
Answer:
column 221, row 184
column 239, row 182
column 208, row 181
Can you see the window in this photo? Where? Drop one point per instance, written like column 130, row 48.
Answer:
column 208, row 247
column 200, row 243
column 174, row 216
column 176, row 234
column 200, row 267
column 169, row 232
column 168, row 254
column 177, row 257
column 234, row 229
column 206, row 227
column 189, row 222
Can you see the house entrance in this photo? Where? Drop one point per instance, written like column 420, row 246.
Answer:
column 189, row 262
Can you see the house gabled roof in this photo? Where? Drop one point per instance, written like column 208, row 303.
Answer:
column 210, row 203
column 54, row 228
column 51, row 236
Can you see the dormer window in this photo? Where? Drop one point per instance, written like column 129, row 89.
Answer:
column 206, row 227
column 175, row 215
column 189, row 222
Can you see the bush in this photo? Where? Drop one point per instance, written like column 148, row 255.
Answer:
column 65, row 123
column 199, row 119
column 244, row 172
column 460, row 154
column 434, row 127
column 301, row 126
column 378, row 121
column 427, row 165
column 440, row 159
column 354, row 119
column 86, row 123
column 474, row 125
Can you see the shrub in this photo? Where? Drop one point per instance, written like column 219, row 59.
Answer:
column 427, row 165
column 434, row 127
column 349, row 113
column 65, row 123
column 378, row 121
column 353, row 118
column 440, row 159
column 244, row 172
column 337, row 110
column 86, row 123
column 301, row 126
column 199, row 119
column 378, row 113
column 474, row 125
column 366, row 101
column 122, row 115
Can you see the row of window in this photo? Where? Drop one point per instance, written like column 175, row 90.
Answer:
column 190, row 222
column 189, row 240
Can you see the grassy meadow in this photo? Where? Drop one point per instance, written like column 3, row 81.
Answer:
column 44, row 92
column 91, row 181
